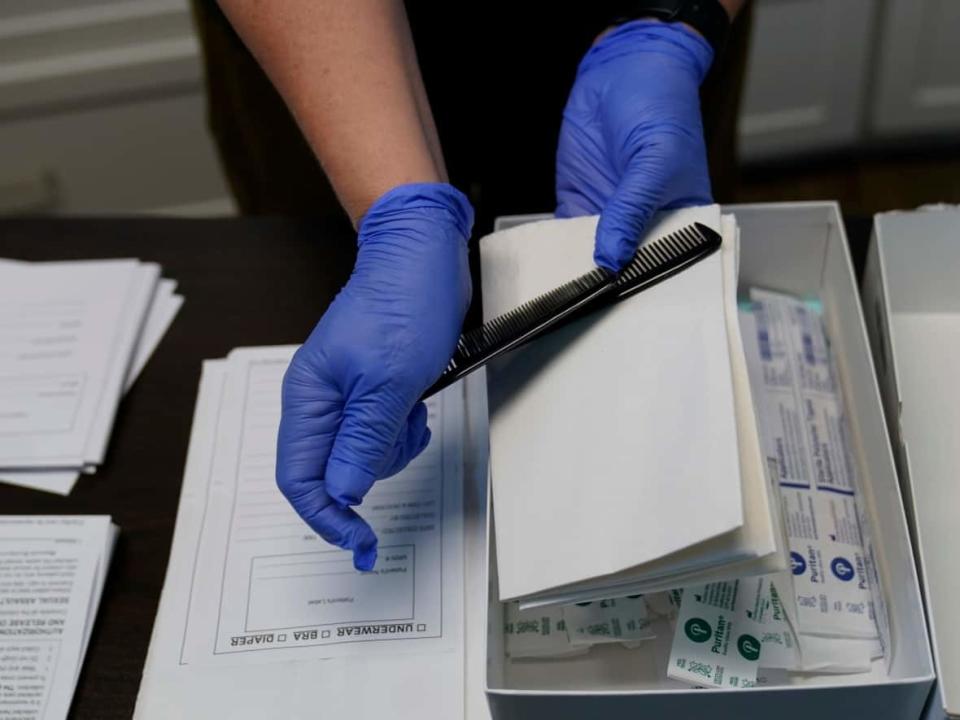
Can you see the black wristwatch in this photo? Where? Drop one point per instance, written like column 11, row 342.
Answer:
column 708, row 17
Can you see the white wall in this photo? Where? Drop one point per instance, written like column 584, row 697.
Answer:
column 102, row 108
column 830, row 74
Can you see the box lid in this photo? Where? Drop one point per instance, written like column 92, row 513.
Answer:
column 918, row 254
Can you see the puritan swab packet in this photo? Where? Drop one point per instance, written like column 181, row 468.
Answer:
column 804, row 431
column 618, row 620
column 714, row 644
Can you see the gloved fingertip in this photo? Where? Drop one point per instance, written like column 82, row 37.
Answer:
column 355, row 534
column 602, row 259
column 346, row 483
column 620, row 229
column 613, row 253
column 365, row 558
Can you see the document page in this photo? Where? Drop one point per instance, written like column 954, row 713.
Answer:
column 51, row 575
column 266, row 583
column 60, row 325
column 260, row 618
column 59, row 482
column 129, row 330
column 163, row 310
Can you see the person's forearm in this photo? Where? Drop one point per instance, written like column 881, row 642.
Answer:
column 733, row 7
column 349, row 74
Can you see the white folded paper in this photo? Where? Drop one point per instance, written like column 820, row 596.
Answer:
column 624, row 452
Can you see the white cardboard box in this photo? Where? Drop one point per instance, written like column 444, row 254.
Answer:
column 799, row 248
column 911, row 296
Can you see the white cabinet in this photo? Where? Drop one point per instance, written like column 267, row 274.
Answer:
column 807, row 76
column 134, row 156
column 917, row 89
column 102, row 107
column 849, row 74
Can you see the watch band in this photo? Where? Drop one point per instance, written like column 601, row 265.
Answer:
column 708, row 17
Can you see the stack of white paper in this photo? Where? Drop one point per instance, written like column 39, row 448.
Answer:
column 73, row 338
column 261, row 618
column 624, row 449
column 52, row 572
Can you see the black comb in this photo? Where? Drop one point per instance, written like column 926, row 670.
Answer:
column 655, row 260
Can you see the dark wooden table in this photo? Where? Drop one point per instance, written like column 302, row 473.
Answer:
column 261, row 281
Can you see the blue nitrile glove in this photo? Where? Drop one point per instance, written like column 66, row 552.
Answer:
column 631, row 142
column 351, row 410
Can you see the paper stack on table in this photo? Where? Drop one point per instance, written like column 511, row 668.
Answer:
column 624, row 451
column 262, row 618
column 73, row 338
column 52, row 573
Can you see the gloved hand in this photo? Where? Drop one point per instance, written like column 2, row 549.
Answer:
column 631, row 142
column 351, row 414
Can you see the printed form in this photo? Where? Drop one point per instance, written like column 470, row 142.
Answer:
column 266, row 587
column 166, row 303
column 52, row 571
column 261, row 618
column 61, row 372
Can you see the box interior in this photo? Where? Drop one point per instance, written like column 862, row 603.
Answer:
column 914, row 298
column 798, row 248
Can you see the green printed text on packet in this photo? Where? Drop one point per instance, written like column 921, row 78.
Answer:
column 713, row 644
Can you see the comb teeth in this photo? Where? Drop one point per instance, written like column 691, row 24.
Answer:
column 507, row 326
column 653, row 262
column 662, row 254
